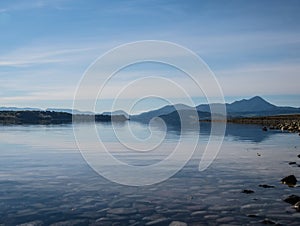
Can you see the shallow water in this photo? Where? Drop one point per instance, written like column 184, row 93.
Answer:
column 45, row 180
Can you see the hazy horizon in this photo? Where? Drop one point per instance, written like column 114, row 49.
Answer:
column 145, row 110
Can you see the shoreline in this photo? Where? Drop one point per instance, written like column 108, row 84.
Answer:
column 289, row 123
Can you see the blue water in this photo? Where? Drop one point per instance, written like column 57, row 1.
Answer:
column 45, row 180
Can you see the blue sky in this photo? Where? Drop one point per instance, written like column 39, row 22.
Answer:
column 253, row 47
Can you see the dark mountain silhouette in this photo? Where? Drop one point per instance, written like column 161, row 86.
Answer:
column 255, row 106
column 185, row 117
column 147, row 116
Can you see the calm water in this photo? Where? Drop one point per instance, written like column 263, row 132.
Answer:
column 45, row 180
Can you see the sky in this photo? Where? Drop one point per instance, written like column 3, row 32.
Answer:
column 46, row 47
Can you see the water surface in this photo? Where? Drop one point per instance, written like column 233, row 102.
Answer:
column 45, row 180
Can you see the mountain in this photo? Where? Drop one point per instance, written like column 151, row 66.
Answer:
column 255, row 106
column 185, row 117
column 147, row 116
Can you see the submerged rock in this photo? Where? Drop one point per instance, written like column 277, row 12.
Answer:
column 266, row 186
column 32, row 223
column 247, row 191
column 158, row 221
column 292, row 199
column 122, row 211
column 292, row 163
column 267, row 221
column 289, row 180
column 265, row 128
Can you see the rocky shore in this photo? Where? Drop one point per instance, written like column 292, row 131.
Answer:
column 289, row 123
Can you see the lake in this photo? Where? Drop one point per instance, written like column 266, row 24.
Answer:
column 45, row 180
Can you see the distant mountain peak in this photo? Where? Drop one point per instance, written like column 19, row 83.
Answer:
column 255, row 99
column 256, row 103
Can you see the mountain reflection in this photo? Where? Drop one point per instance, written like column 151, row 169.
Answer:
column 239, row 132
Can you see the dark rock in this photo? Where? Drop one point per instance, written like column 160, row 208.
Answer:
column 292, row 199
column 247, row 191
column 292, row 163
column 289, row 180
column 266, row 186
column 298, row 156
column 252, row 215
column 267, row 221
column 265, row 129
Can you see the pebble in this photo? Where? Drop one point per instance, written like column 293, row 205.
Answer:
column 177, row 223
column 70, row 223
column 225, row 219
column 152, row 217
column 122, row 211
column 32, row 223
column 158, row 221
column 197, row 213
column 211, row 217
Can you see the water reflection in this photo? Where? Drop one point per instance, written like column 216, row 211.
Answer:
column 238, row 132
column 44, row 180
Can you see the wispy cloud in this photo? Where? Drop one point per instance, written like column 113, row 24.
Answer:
column 35, row 56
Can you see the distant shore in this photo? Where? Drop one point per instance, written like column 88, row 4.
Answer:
column 289, row 123
column 51, row 117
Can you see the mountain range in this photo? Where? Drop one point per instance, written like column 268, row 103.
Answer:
column 255, row 106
